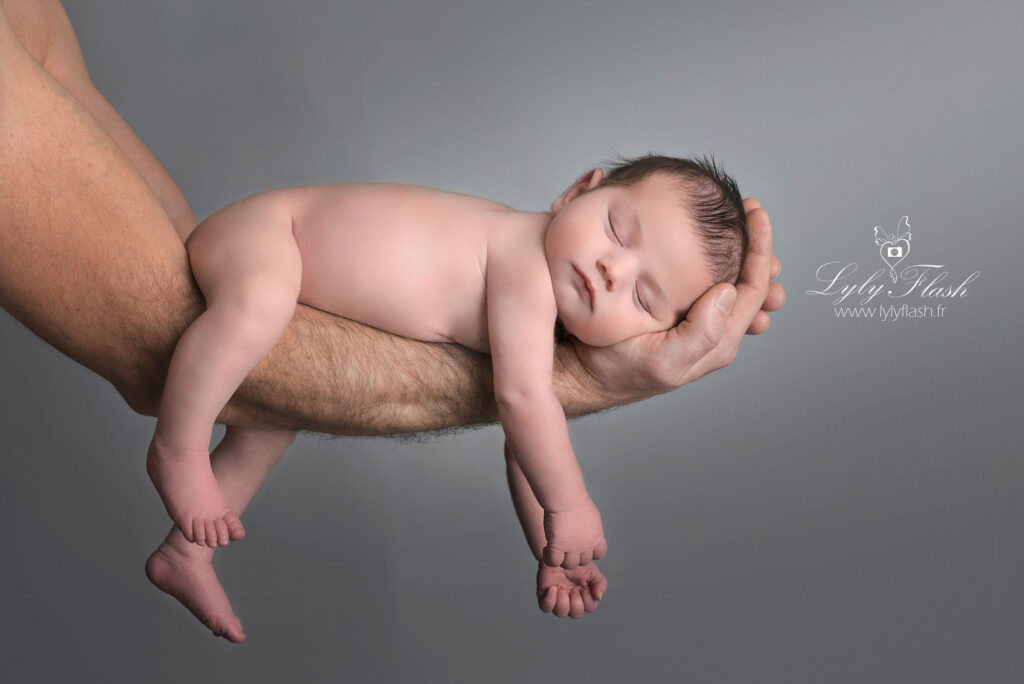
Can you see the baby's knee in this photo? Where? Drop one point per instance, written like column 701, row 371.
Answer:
column 260, row 303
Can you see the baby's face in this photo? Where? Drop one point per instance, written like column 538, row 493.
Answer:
column 624, row 261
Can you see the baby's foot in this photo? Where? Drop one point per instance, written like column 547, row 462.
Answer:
column 190, row 493
column 186, row 572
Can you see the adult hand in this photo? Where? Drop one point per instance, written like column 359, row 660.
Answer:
column 710, row 336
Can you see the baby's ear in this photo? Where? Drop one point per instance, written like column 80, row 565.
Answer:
column 587, row 181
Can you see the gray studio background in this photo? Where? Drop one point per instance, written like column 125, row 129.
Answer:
column 841, row 504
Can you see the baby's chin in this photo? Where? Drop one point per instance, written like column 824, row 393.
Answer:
column 586, row 338
column 590, row 338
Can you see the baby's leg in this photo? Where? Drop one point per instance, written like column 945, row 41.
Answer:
column 240, row 462
column 247, row 264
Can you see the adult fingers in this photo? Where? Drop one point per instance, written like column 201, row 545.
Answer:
column 760, row 323
column 752, row 289
column 773, row 302
column 759, row 228
column 753, row 286
column 776, row 297
column 691, row 341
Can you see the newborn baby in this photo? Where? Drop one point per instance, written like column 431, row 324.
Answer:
column 618, row 255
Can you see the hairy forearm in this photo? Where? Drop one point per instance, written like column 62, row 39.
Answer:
column 90, row 262
column 332, row 375
column 329, row 374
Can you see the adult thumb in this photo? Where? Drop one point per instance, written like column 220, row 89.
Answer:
column 705, row 321
column 725, row 298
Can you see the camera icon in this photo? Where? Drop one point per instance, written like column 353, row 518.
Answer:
column 894, row 252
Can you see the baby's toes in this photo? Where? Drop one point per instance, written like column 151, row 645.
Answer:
column 198, row 532
column 586, row 557
column 186, row 531
column 235, row 529
column 572, row 560
column 211, row 533
column 222, row 531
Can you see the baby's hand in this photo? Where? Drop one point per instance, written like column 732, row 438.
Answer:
column 569, row 592
column 574, row 536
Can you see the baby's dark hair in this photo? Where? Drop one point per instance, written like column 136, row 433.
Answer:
column 709, row 194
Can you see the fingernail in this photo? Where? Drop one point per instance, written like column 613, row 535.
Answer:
column 726, row 300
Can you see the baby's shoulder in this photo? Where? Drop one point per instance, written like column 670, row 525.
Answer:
column 518, row 284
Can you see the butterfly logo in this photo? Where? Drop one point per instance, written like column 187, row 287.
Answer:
column 893, row 248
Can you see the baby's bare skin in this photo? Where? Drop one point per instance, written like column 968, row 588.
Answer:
column 43, row 28
column 438, row 267
column 402, row 258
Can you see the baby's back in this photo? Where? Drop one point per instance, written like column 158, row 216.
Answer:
column 404, row 259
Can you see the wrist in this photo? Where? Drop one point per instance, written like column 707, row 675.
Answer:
column 580, row 391
column 571, row 504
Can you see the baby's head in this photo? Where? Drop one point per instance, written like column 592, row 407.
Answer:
column 630, row 250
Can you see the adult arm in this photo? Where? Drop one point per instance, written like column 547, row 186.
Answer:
column 90, row 262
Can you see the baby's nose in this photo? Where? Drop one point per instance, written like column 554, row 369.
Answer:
column 611, row 272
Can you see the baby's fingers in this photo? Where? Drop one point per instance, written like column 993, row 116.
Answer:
column 547, row 600
column 598, row 587
column 553, row 557
column 562, row 604
column 576, row 607
column 571, row 560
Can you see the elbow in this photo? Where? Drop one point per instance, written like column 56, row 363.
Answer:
column 141, row 394
column 142, row 403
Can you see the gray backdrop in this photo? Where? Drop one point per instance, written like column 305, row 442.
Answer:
column 841, row 504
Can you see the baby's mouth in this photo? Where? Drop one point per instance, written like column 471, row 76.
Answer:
column 586, row 286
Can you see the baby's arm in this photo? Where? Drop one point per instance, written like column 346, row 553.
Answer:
column 520, row 318
column 559, row 591
column 528, row 509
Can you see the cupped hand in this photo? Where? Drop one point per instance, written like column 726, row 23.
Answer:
column 574, row 536
column 569, row 592
column 710, row 336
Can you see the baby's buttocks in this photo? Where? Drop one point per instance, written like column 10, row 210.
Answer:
column 404, row 259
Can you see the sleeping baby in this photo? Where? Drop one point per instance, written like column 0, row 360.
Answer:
column 620, row 254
